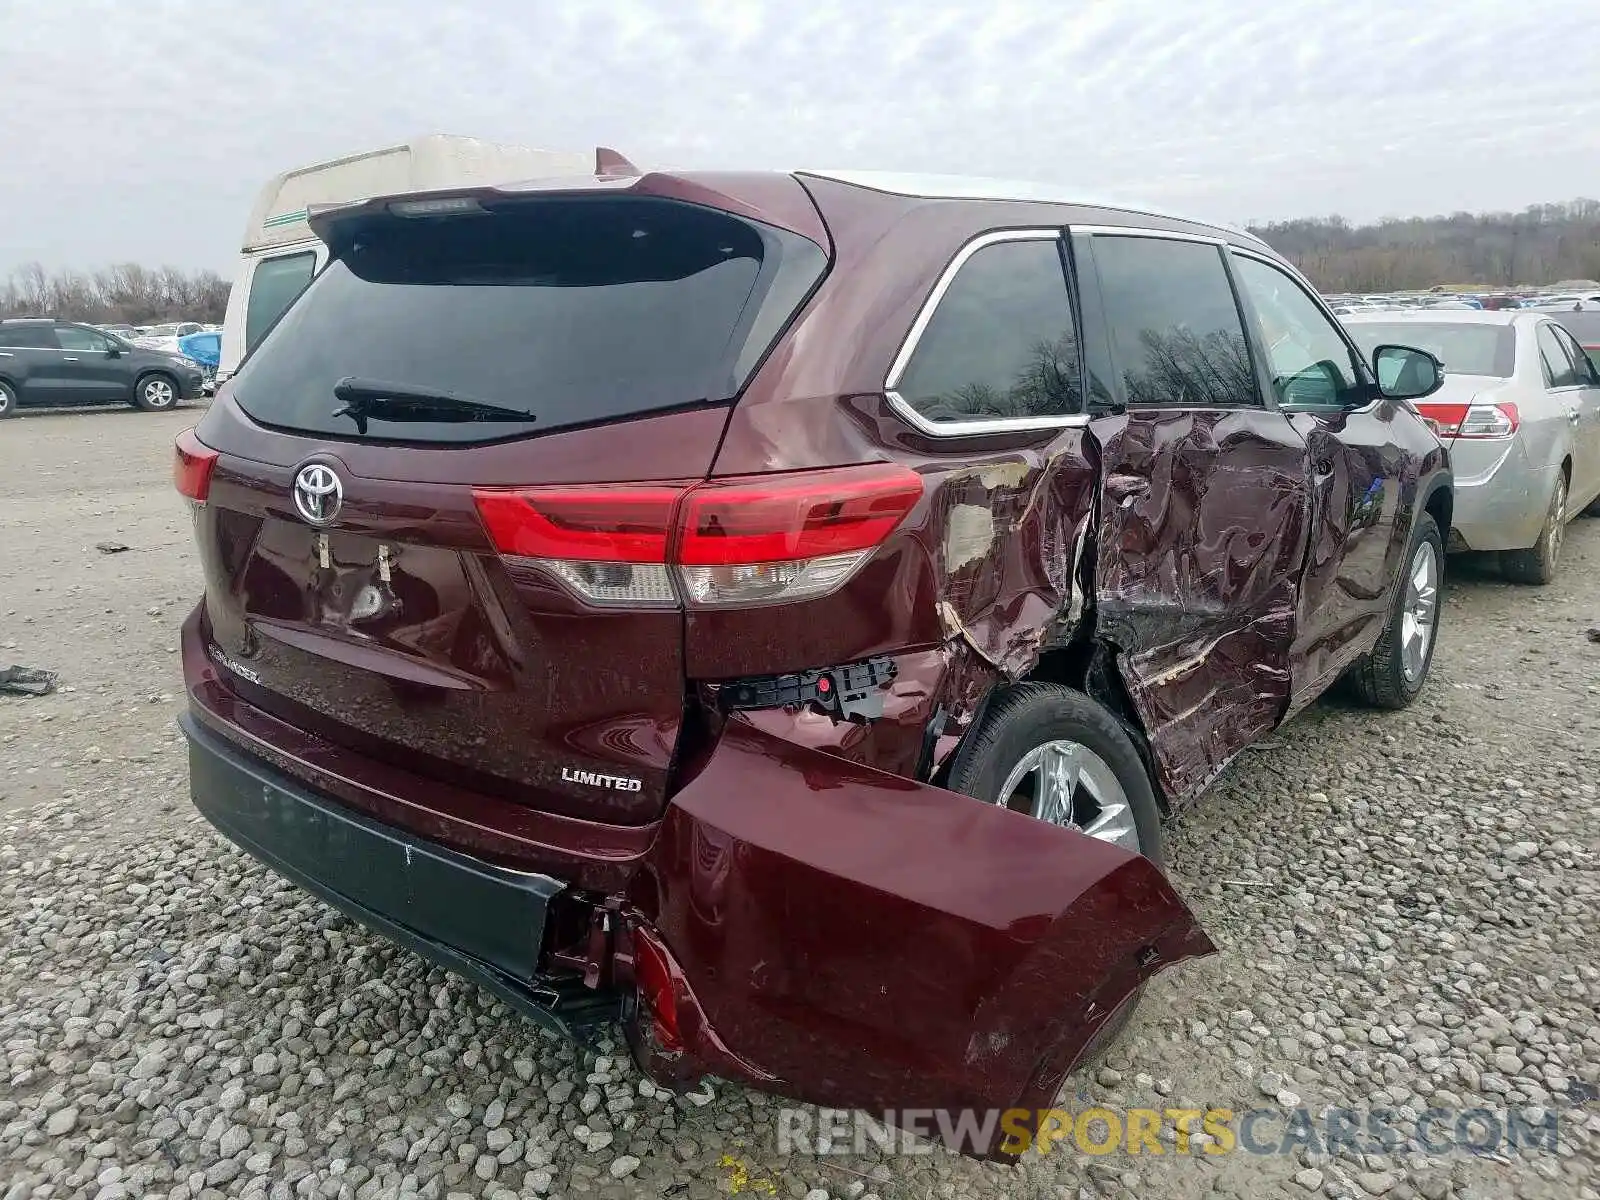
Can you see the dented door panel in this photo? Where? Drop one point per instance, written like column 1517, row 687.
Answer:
column 1204, row 527
column 861, row 940
column 1365, row 469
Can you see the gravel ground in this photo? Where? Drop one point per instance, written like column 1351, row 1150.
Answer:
column 1406, row 906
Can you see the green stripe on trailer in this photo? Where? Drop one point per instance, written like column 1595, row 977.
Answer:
column 288, row 218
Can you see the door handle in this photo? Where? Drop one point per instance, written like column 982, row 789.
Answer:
column 1573, row 415
column 69, row 358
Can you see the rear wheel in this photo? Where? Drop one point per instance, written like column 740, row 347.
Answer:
column 1393, row 674
column 1056, row 755
column 8, row 400
column 156, row 393
column 1537, row 564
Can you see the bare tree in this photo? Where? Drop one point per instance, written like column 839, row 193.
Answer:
column 126, row 292
column 1540, row 245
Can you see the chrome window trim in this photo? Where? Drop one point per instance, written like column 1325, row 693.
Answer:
column 1171, row 235
column 908, row 347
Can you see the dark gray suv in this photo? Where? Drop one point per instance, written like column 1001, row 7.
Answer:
column 45, row 362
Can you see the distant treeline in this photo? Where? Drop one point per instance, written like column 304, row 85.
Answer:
column 127, row 294
column 1540, row 245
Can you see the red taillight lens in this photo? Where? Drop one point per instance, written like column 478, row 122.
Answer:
column 746, row 539
column 1473, row 420
column 192, row 463
column 656, row 992
column 589, row 524
column 1446, row 416
column 781, row 518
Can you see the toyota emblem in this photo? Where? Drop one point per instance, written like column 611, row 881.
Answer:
column 318, row 494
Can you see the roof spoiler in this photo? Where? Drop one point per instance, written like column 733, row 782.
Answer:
column 609, row 164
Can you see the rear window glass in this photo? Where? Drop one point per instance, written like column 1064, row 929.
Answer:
column 1467, row 348
column 567, row 311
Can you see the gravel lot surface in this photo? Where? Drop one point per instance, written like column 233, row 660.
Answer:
column 1407, row 908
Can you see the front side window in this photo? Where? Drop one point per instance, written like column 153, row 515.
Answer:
column 75, row 337
column 1310, row 363
column 1001, row 345
column 1558, row 369
column 1174, row 325
column 273, row 286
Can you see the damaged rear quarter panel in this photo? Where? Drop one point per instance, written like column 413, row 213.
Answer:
column 858, row 939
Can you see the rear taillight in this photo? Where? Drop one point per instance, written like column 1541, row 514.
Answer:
column 192, row 463
column 1473, row 420
column 742, row 540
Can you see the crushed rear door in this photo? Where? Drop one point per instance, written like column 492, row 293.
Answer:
column 860, row 940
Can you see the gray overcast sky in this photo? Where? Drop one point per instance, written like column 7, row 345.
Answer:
column 141, row 131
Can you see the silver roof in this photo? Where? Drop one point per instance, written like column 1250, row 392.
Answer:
column 972, row 187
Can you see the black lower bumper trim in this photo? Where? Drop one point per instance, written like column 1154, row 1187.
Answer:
column 479, row 921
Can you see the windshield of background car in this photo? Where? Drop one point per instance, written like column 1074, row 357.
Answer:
column 575, row 311
column 1465, row 348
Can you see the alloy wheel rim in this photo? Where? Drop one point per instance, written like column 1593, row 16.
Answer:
column 1557, row 520
column 1065, row 783
column 158, row 392
column 1421, row 611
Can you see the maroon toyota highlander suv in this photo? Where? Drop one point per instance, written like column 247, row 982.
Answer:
column 776, row 610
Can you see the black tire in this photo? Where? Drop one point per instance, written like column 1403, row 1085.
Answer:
column 148, row 392
column 1029, row 715
column 1380, row 679
column 1538, row 563
column 8, row 400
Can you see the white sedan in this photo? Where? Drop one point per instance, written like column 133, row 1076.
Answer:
column 1520, row 413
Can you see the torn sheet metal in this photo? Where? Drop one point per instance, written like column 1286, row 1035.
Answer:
column 1012, row 534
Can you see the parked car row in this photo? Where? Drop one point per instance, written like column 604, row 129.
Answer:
column 1586, row 299
column 793, row 656
column 46, row 362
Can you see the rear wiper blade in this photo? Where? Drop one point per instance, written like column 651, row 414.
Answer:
column 374, row 399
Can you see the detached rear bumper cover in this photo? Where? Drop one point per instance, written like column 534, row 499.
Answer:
column 833, row 933
column 861, row 940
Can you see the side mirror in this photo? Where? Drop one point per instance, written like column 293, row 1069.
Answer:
column 1406, row 373
column 113, row 351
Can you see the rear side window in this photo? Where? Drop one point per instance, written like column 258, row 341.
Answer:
column 1175, row 327
column 564, row 312
column 1558, row 369
column 23, row 336
column 1001, row 342
column 273, row 286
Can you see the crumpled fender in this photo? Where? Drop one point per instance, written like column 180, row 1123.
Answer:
column 856, row 939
